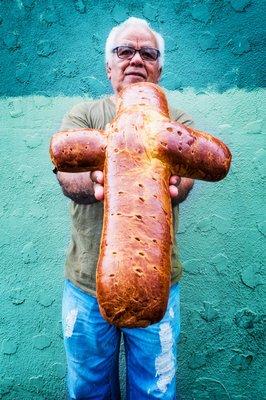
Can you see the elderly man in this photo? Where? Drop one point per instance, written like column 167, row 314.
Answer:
column 134, row 53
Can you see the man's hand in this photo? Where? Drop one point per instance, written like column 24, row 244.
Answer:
column 178, row 187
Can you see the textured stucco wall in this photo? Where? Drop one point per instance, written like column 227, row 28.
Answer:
column 52, row 53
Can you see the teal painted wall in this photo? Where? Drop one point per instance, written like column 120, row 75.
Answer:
column 47, row 62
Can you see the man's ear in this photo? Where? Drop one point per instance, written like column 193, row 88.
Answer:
column 159, row 74
column 108, row 71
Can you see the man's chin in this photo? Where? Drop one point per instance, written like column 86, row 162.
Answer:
column 133, row 79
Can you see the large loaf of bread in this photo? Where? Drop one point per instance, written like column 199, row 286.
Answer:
column 138, row 152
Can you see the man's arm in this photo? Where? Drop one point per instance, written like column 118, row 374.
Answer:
column 77, row 186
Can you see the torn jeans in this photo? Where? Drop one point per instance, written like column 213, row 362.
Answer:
column 92, row 350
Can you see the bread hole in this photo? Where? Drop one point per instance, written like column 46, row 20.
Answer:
column 153, row 217
column 140, row 185
column 179, row 148
column 163, row 144
column 154, row 240
column 139, row 271
column 114, row 252
column 170, row 129
column 86, row 147
column 118, row 214
column 141, row 199
column 192, row 151
column 116, row 150
column 120, row 192
column 154, row 179
column 141, row 253
column 155, row 195
column 155, row 268
column 179, row 133
column 111, row 275
column 139, row 216
column 70, row 149
column 137, row 238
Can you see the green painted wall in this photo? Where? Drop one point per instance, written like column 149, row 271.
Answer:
column 222, row 229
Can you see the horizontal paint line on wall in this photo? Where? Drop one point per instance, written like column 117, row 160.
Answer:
column 238, row 111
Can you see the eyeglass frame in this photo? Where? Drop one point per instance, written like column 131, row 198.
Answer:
column 137, row 51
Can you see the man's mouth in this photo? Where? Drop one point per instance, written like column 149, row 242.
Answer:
column 135, row 73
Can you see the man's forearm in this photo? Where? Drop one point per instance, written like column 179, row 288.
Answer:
column 184, row 188
column 77, row 186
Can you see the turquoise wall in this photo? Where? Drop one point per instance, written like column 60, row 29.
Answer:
column 51, row 57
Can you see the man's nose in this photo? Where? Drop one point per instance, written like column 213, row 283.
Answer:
column 136, row 59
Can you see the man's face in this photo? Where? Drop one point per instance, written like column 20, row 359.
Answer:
column 124, row 72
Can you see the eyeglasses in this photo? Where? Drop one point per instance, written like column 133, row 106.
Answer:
column 127, row 53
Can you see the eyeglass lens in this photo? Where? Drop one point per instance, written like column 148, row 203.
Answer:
column 146, row 53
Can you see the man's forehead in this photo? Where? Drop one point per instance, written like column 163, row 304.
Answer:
column 130, row 36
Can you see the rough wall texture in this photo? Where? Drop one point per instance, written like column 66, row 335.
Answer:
column 51, row 53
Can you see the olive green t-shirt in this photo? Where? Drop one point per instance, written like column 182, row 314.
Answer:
column 87, row 220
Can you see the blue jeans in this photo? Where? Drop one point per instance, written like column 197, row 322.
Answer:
column 92, row 351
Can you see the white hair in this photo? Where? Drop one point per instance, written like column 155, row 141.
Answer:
column 132, row 21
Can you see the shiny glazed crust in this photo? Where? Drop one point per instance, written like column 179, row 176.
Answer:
column 78, row 150
column 140, row 150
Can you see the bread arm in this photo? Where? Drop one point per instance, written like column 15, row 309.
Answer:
column 193, row 153
column 78, row 150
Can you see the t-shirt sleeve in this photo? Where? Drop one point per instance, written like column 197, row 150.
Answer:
column 77, row 117
column 181, row 117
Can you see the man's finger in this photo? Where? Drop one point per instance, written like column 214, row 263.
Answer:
column 97, row 177
column 173, row 191
column 98, row 192
column 175, row 180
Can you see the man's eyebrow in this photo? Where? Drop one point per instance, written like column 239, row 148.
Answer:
column 132, row 45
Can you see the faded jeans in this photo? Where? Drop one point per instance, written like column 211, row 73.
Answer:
column 92, row 351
